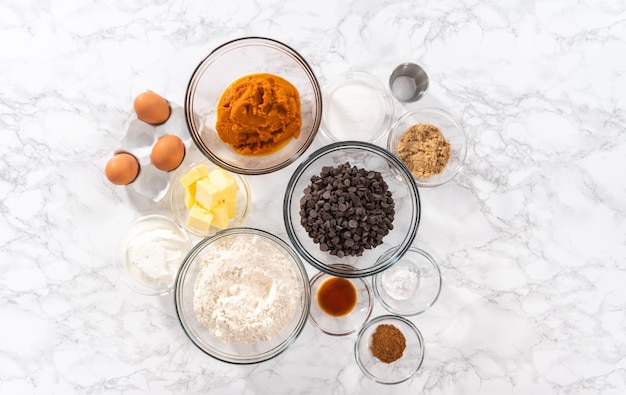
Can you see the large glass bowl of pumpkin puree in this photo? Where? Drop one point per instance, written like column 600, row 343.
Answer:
column 253, row 105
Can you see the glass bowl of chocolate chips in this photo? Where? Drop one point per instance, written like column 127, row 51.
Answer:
column 347, row 204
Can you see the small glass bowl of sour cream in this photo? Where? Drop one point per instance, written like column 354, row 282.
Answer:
column 149, row 254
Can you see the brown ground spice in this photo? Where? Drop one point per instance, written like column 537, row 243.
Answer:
column 388, row 343
column 424, row 150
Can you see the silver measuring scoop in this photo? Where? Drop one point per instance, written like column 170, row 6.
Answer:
column 408, row 82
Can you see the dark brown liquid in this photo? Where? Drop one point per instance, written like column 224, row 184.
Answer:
column 336, row 296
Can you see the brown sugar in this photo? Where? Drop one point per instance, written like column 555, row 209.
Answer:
column 424, row 150
column 388, row 343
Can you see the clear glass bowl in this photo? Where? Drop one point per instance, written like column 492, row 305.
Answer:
column 399, row 370
column 345, row 324
column 233, row 60
column 232, row 352
column 426, row 292
column 404, row 193
column 139, row 227
column 376, row 102
column 450, row 129
column 181, row 212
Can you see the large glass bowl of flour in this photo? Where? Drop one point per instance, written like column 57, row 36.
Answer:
column 242, row 296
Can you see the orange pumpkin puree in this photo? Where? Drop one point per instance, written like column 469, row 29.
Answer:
column 258, row 113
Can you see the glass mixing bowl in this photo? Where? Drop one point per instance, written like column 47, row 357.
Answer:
column 202, row 337
column 231, row 61
column 404, row 193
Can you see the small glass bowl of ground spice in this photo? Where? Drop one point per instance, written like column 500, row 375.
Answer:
column 340, row 306
column 389, row 349
column 430, row 143
column 411, row 285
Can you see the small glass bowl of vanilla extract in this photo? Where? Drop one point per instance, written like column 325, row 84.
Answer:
column 340, row 306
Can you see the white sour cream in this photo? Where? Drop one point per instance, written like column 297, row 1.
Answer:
column 154, row 254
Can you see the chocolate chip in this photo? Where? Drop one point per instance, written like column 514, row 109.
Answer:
column 347, row 210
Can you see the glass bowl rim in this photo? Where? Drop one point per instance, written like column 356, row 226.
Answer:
column 301, row 273
column 192, row 86
column 289, row 197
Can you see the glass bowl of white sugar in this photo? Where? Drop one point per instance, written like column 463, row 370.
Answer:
column 411, row 285
column 242, row 296
column 357, row 106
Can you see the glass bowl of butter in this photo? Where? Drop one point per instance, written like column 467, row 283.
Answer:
column 205, row 198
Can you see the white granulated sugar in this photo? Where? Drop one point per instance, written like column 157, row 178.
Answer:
column 246, row 290
column 355, row 112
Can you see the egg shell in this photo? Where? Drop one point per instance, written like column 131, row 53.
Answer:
column 122, row 169
column 167, row 153
column 152, row 108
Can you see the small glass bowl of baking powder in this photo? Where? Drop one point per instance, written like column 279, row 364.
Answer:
column 422, row 152
column 357, row 106
column 149, row 254
column 411, row 285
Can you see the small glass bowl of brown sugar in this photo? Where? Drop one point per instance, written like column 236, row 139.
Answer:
column 430, row 143
column 389, row 349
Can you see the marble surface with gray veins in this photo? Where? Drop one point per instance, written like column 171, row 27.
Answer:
column 530, row 236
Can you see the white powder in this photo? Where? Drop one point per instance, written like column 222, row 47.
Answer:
column 355, row 112
column 400, row 282
column 246, row 291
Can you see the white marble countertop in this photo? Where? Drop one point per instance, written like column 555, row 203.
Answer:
column 530, row 237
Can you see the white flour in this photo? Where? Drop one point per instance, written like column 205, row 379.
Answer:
column 246, row 291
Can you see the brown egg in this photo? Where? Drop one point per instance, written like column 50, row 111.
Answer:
column 122, row 169
column 168, row 153
column 152, row 108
